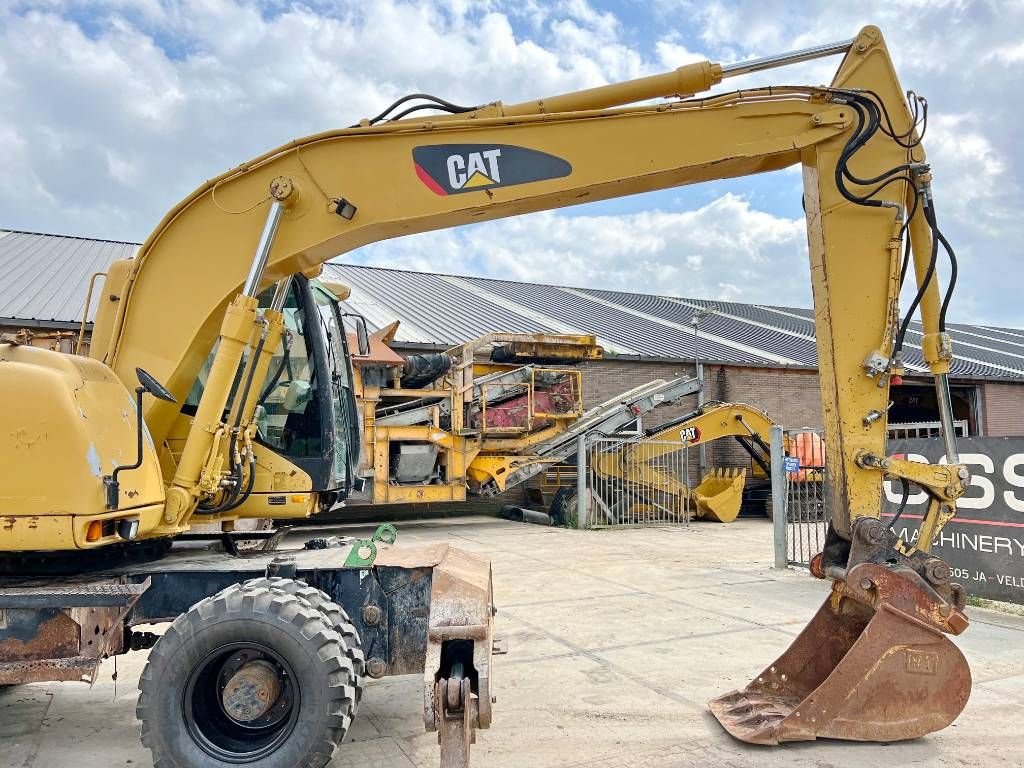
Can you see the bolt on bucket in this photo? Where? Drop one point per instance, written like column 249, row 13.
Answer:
column 872, row 665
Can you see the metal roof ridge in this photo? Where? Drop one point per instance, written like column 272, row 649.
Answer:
column 67, row 237
column 741, row 319
column 538, row 317
column 986, row 363
column 737, row 345
column 978, row 335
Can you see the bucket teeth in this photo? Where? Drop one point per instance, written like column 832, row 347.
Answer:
column 720, row 494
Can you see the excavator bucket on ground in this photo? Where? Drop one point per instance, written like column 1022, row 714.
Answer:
column 873, row 665
column 720, row 494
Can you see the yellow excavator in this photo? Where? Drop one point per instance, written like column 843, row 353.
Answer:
column 640, row 485
column 91, row 466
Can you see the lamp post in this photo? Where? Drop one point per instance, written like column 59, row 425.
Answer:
column 698, row 368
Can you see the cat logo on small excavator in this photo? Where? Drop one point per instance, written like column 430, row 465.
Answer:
column 689, row 435
column 448, row 169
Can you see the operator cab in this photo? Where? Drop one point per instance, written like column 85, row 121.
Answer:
column 306, row 411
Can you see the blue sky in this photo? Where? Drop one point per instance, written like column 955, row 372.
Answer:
column 112, row 110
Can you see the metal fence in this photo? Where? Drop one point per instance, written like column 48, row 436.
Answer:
column 800, row 530
column 925, row 429
column 636, row 482
column 799, row 506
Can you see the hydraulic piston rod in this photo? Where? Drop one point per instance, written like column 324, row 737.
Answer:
column 259, row 262
column 785, row 59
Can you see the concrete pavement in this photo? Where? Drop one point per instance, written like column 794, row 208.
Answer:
column 617, row 639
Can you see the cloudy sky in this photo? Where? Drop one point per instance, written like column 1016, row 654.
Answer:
column 111, row 111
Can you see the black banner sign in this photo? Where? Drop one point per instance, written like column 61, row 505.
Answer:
column 984, row 543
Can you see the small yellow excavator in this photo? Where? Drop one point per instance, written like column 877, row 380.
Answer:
column 111, row 459
column 644, row 486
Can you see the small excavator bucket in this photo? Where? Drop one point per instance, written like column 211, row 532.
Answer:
column 720, row 494
column 858, row 671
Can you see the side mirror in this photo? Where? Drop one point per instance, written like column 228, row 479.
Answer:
column 362, row 336
column 154, row 387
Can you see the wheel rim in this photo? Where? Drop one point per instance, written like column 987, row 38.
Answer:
column 241, row 702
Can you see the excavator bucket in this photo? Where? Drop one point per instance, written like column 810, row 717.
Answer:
column 720, row 494
column 873, row 665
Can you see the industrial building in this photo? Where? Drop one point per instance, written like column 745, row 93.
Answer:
column 761, row 354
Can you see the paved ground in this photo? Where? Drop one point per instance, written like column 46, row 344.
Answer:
column 617, row 640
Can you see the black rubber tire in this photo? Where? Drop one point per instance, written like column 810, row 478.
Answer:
column 563, row 507
column 291, row 628
column 334, row 613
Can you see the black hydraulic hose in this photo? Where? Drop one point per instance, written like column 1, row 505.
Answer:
column 929, row 274
column 238, row 500
column 418, row 108
column 248, row 379
column 905, row 487
column 906, row 261
column 438, row 103
column 866, row 128
column 276, row 378
column 919, row 117
column 952, row 277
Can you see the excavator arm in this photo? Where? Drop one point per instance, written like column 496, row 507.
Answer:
column 719, row 495
column 867, row 195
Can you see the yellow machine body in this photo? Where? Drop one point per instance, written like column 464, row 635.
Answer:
column 67, row 422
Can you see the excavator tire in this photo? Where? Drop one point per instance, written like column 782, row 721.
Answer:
column 563, row 507
column 250, row 675
column 334, row 613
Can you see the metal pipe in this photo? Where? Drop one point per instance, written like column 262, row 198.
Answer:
column 581, row 481
column 785, row 59
column 281, row 294
column 85, row 312
column 779, row 516
column 259, row 262
column 946, row 418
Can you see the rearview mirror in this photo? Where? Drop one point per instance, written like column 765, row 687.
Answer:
column 362, row 336
column 154, row 387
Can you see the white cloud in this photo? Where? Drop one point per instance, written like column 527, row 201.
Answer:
column 723, row 250
column 113, row 110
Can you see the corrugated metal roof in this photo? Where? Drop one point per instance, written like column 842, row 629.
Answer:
column 45, row 278
column 441, row 309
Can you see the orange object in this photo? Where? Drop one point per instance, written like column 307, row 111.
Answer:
column 810, row 449
column 95, row 531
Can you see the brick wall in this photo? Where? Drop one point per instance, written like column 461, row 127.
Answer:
column 790, row 396
column 1003, row 406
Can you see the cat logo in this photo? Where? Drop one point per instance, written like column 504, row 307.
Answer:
column 689, row 435
column 448, row 169
column 477, row 169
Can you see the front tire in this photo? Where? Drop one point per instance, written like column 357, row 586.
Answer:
column 250, row 676
column 334, row 613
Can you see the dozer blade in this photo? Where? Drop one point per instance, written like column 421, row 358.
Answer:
column 720, row 494
column 864, row 670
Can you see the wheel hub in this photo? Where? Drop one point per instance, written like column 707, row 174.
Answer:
column 251, row 691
